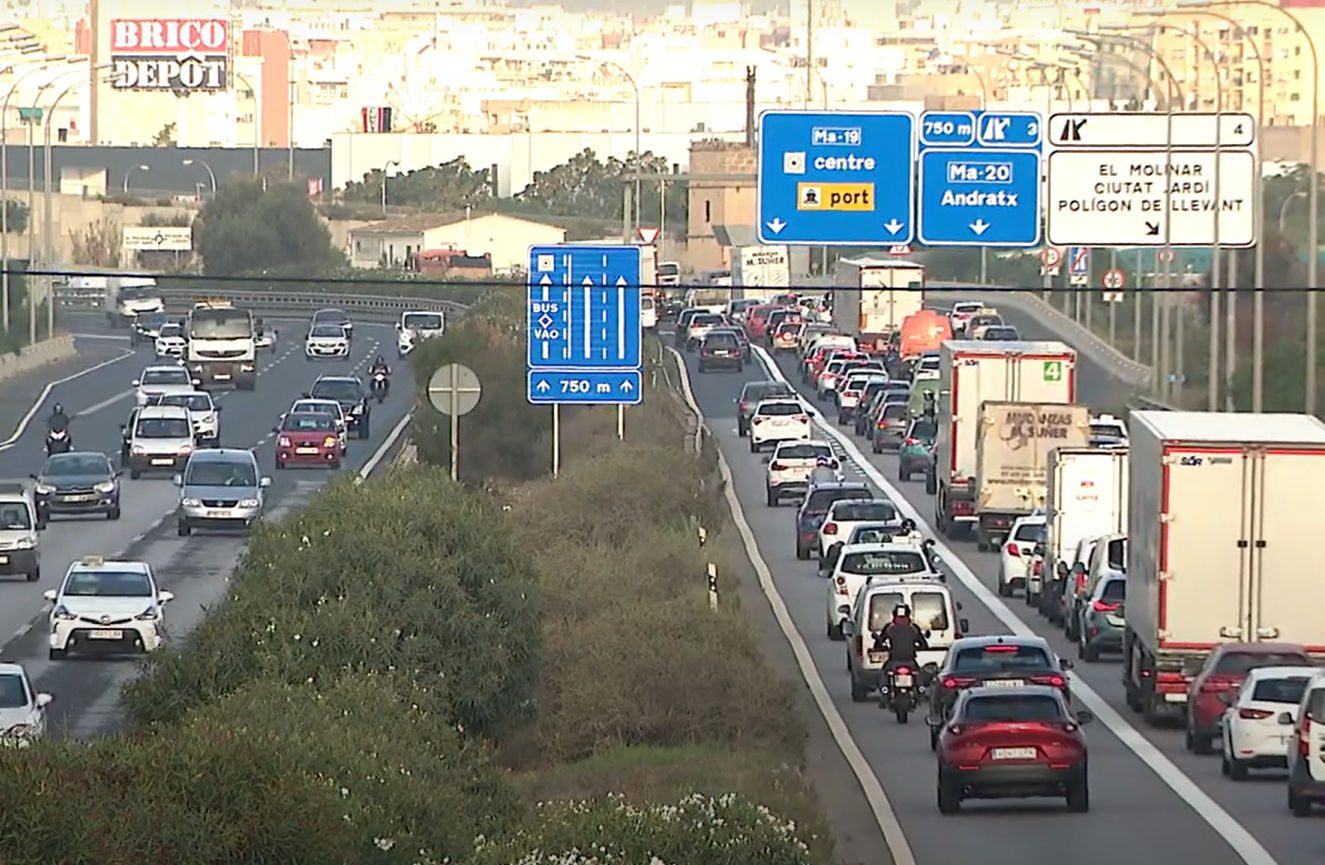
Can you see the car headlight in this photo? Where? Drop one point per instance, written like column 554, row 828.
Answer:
column 26, row 543
column 62, row 613
column 358, row 409
column 150, row 614
column 248, row 503
column 105, row 487
column 44, row 489
column 191, row 503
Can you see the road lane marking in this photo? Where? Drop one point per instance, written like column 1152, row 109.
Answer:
column 1243, row 843
column 46, row 391
column 884, row 814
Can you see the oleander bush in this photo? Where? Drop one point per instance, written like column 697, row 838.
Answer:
column 404, row 575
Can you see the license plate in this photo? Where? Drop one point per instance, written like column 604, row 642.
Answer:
column 4, row 560
column 105, row 635
column 1013, row 753
column 903, row 681
column 1004, row 683
column 218, row 514
column 222, row 376
column 876, row 657
column 305, row 450
column 80, row 498
column 163, row 462
column 1175, row 698
column 720, row 353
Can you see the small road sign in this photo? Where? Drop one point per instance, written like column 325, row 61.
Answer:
column 647, row 234
column 1078, row 261
column 1114, row 280
column 585, row 387
column 1051, row 256
column 454, row 390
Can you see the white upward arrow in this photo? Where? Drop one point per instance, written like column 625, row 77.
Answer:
column 621, row 317
column 588, row 316
column 979, row 227
column 543, row 386
column 893, row 225
column 776, row 225
column 627, row 386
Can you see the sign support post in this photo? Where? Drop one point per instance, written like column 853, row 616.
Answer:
column 454, row 390
column 556, row 439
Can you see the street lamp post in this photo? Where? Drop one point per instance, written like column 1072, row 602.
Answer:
column 385, row 169
column 210, row 174
column 257, row 118
column 634, row 86
column 1283, row 209
column 129, row 173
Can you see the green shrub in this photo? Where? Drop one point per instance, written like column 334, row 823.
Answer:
column 697, row 830
column 405, row 574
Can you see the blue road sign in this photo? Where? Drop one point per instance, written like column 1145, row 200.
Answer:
column 1010, row 129
column 979, row 197
column 1078, row 260
column 584, row 387
column 836, row 178
column 947, row 129
column 584, row 307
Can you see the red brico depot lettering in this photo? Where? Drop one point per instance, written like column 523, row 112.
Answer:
column 177, row 54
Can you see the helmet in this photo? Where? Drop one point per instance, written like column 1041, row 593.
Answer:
column 381, row 361
column 59, row 409
column 902, row 611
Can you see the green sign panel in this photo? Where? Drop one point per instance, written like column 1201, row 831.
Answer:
column 1053, row 370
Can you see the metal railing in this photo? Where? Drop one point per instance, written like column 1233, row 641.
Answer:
column 363, row 306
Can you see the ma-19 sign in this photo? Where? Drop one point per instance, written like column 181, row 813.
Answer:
column 170, row 54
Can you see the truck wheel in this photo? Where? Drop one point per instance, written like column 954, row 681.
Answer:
column 931, row 483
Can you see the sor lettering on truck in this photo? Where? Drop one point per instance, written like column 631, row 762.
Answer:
column 1192, row 460
column 1022, row 427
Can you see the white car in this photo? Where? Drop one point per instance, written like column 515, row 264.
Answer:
column 1016, row 551
column 415, row 326
column 849, row 394
column 1254, row 734
column 926, row 368
column 107, row 607
column 327, row 341
column 1107, row 431
column 856, row 565
column 700, row 325
column 330, row 407
column 161, row 380
column 790, row 466
column 1306, row 750
column 962, row 312
column 22, row 708
column 648, row 313
column 843, row 516
column 170, row 341
column 204, row 414
column 778, row 420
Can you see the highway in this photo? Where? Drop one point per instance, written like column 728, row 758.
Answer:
column 1151, row 800
column 197, row 568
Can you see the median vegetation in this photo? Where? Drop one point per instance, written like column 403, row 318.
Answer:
column 414, row 671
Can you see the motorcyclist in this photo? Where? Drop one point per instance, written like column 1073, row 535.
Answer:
column 380, row 366
column 58, row 421
column 823, row 472
column 902, row 639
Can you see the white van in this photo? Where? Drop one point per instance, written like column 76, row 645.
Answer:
column 648, row 312
column 1306, row 749
column 932, row 609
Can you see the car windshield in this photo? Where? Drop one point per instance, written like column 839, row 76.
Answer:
column 318, row 407
column 163, row 428
column 764, row 390
column 338, row 389
column 882, row 605
column 1000, row 658
column 860, row 511
column 108, row 584
column 328, row 331
column 872, row 534
column 894, row 410
column 13, row 692
column 165, row 376
column 802, row 451
column 787, row 328
column 171, row 330
column 1241, row 663
column 925, row 429
column 330, row 316
column 308, row 422
column 14, row 517
column 784, row 409
column 421, row 321
column 221, row 473
column 151, row 320
column 884, row 562
column 1032, row 532
column 199, row 402
column 1108, row 430
column 1012, row 708
column 985, row 321
column 1288, row 690
column 721, row 340
column 706, row 319
column 819, row 501
column 69, row 465
column 1001, row 333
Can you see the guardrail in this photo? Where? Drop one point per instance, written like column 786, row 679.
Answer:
column 362, row 306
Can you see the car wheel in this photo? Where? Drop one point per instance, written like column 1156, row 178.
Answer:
column 335, row 465
column 771, row 496
column 1004, row 590
column 1298, row 804
column 703, row 368
column 754, row 446
column 1234, row 768
column 364, row 430
column 35, row 576
column 949, row 796
column 875, row 446
column 134, row 474
column 858, row 692
column 57, row 654
column 113, row 513
column 1202, row 744
column 1090, row 654
column 802, row 553
column 183, row 529
column 280, row 465
column 1078, row 796
column 903, row 475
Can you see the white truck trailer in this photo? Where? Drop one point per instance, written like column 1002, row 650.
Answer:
column 875, row 295
column 1013, row 445
column 972, row 373
column 1088, row 492
column 1223, row 544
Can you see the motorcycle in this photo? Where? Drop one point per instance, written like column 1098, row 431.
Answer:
column 381, row 384
column 58, row 441
column 901, row 692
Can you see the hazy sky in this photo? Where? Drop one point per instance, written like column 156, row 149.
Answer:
column 626, row 6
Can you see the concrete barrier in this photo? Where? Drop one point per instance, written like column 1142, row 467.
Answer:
column 36, row 356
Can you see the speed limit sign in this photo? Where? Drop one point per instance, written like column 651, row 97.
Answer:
column 1050, row 258
column 1114, row 280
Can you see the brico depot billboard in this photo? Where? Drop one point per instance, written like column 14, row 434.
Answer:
column 170, row 54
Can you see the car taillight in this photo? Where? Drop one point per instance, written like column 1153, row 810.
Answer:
column 1304, row 736
column 1000, row 649
column 1013, row 550
column 830, row 528
column 1081, row 581
column 1102, row 607
column 883, row 423
column 912, row 442
column 803, row 418
column 1254, row 714
column 283, row 441
column 757, row 419
column 1054, row 681
column 841, row 585
column 903, row 671
column 776, row 467
column 952, row 683
column 329, row 441
column 1037, row 567
column 743, row 405
column 1220, row 683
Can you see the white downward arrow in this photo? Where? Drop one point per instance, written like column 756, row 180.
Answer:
column 776, row 225
column 979, row 227
column 893, row 226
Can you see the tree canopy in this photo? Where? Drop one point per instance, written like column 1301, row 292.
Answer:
column 249, row 229
column 452, row 185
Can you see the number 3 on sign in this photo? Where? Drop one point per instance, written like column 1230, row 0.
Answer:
column 1033, row 131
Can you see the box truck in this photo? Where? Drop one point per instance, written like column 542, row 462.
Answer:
column 1087, row 498
column 1223, row 544
column 970, row 374
column 1013, row 443
column 873, row 296
column 760, row 271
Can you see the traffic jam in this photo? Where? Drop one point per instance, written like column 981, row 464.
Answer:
column 1077, row 508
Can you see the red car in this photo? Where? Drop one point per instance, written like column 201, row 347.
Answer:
column 1224, row 671
column 307, row 438
column 1012, row 743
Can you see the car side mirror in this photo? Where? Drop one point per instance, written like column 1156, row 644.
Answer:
column 1065, row 663
column 766, row 460
column 124, row 426
column 217, row 408
column 934, row 721
column 118, row 474
column 134, row 382
column 34, row 477
column 43, row 700
column 165, row 597
column 305, row 396
column 178, row 480
column 1084, row 717
column 1285, row 719
column 849, row 628
column 50, row 595
column 264, row 482
column 958, row 605
column 398, row 327
column 276, row 429
column 965, row 625
column 197, row 381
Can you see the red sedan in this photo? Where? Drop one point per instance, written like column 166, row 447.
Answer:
column 307, row 438
column 1012, row 743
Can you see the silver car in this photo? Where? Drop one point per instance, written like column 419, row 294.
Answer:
column 220, row 488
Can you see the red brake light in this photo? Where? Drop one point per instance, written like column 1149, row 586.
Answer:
column 1081, row 580
column 803, row 418
column 1102, row 607
column 1219, row 682
column 777, row 467
column 1054, row 681
column 903, row 670
column 1037, row 567
column 1254, row 714
column 1013, row 550
column 952, row 683
column 1000, row 647
column 955, row 730
column 883, row 423
column 1304, row 736
column 911, row 442
column 830, row 528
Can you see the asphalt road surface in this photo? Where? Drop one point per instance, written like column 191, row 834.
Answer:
column 1152, row 802
column 196, row 568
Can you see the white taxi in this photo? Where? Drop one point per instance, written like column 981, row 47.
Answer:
column 163, row 379
column 1255, row 734
column 843, row 516
column 22, row 708
column 778, row 420
column 790, row 466
column 857, row 564
column 107, row 607
column 330, row 407
column 170, row 341
column 204, row 414
column 327, row 341
column 932, row 610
